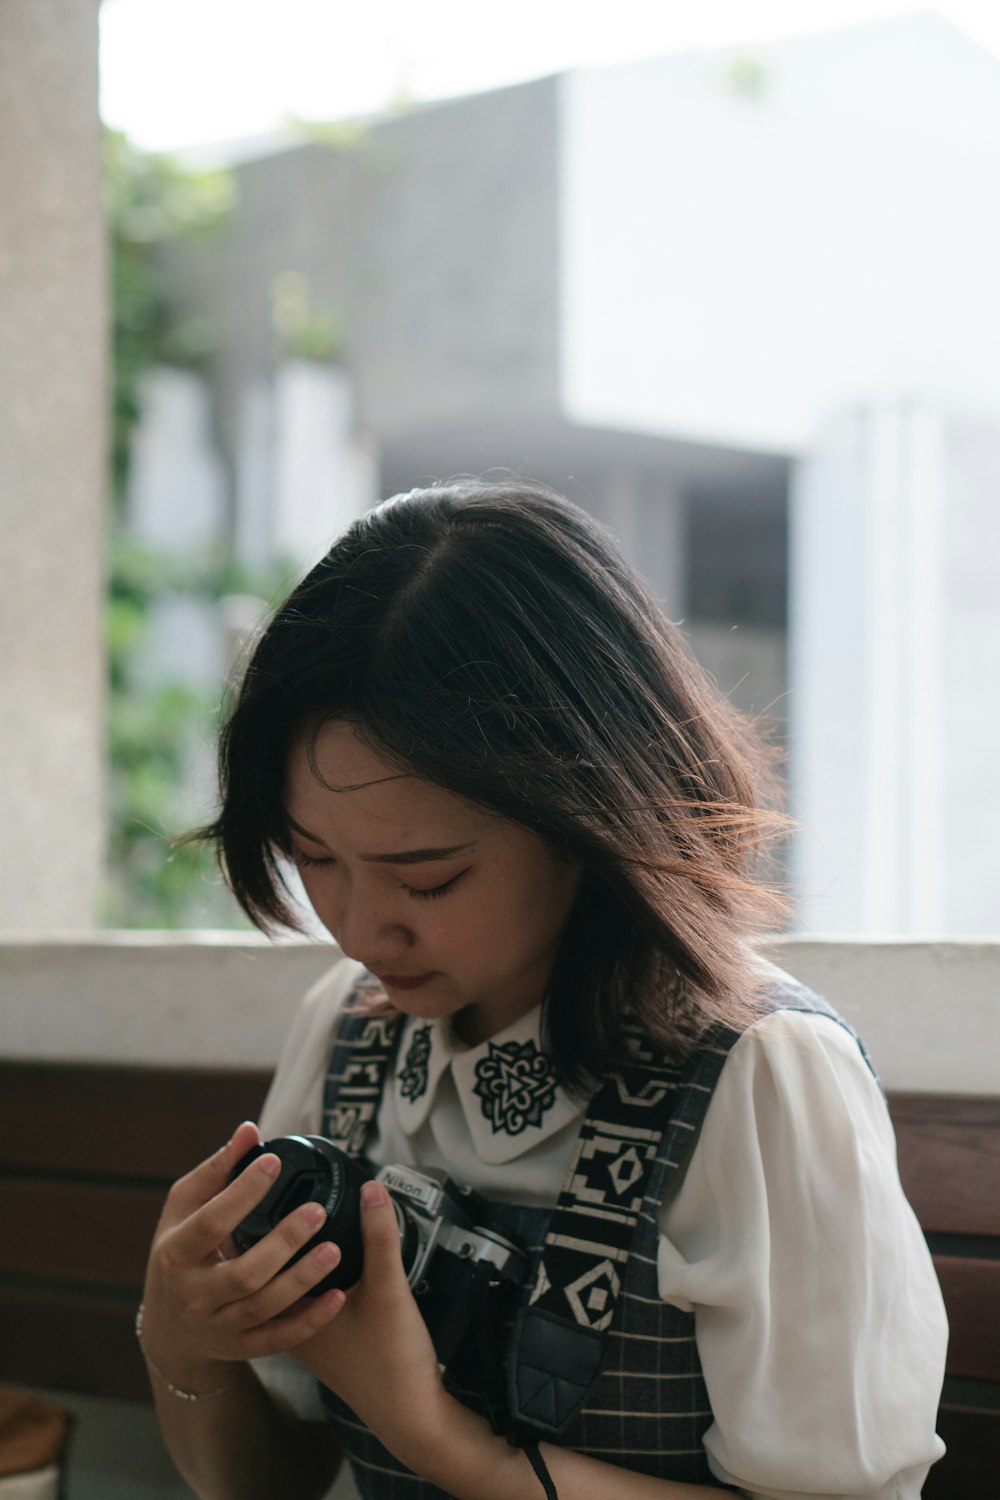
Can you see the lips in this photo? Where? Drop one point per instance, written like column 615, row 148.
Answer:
column 403, row 981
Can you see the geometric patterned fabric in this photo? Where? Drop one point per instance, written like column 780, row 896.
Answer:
column 593, row 1261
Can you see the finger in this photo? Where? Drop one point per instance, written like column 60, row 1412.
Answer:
column 298, row 1324
column 209, row 1177
column 380, row 1235
column 202, row 1235
column 246, row 1274
column 283, row 1292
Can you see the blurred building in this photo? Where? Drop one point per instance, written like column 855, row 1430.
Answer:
column 741, row 307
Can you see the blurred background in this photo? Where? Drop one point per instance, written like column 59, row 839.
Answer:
column 725, row 275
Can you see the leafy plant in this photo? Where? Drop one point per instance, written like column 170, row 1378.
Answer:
column 305, row 329
column 747, row 76
column 155, row 732
column 157, row 735
column 150, row 199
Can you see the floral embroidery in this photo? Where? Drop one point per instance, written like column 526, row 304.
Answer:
column 515, row 1084
column 413, row 1078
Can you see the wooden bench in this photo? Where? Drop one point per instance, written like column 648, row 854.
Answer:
column 87, row 1152
column 949, row 1162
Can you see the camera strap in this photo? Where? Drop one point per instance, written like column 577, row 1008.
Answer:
column 491, row 1373
column 364, row 1047
column 559, row 1340
column 558, row 1345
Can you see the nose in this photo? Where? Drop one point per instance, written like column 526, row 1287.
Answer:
column 368, row 930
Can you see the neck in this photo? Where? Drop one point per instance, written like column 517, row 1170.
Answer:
column 476, row 1024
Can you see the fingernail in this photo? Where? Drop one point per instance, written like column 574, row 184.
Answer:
column 326, row 1254
column 373, row 1194
column 269, row 1165
column 314, row 1214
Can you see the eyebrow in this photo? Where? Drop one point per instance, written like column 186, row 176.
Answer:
column 402, row 857
column 415, row 856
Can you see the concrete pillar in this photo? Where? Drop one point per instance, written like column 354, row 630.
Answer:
column 894, row 637
column 53, row 373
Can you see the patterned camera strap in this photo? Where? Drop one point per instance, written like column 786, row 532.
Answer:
column 559, row 1339
column 363, row 1048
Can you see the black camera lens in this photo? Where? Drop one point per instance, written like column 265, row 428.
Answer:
column 313, row 1170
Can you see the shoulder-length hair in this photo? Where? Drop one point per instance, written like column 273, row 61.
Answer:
column 491, row 638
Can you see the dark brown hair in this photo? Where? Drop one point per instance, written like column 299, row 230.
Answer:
column 491, row 638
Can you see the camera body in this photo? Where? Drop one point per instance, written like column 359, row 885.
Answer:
column 459, row 1271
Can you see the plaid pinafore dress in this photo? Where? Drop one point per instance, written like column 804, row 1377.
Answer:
column 593, row 1257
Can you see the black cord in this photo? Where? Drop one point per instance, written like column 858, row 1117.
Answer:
column 541, row 1469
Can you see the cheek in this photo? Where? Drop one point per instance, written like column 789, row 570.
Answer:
column 321, row 892
column 538, row 907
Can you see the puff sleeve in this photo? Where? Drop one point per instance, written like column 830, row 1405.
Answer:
column 818, row 1316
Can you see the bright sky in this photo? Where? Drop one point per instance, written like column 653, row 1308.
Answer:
column 180, row 73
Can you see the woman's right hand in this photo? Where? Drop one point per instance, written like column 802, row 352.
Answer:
column 205, row 1306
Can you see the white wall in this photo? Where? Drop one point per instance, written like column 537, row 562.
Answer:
column 894, row 636
column 929, row 1011
column 324, row 473
column 176, row 499
column 736, row 268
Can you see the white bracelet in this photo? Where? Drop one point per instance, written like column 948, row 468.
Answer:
column 174, row 1390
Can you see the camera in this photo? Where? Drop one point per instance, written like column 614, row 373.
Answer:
column 459, row 1271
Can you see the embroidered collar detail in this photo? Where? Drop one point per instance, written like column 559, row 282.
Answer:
column 413, row 1077
column 516, row 1085
column 505, row 1086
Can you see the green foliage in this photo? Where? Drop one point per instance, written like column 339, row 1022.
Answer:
column 156, row 735
column 354, row 135
column 154, row 731
column 305, row 329
column 338, row 135
column 155, row 883
column 748, row 77
column 211, row 573
column 148, row 200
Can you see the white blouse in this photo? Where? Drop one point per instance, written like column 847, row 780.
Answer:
column 818, row 1317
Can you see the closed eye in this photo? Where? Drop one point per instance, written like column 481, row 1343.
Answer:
column 312, row 861
column 431, row 892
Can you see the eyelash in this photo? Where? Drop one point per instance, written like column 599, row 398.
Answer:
column 434, row 891
column 310, row 861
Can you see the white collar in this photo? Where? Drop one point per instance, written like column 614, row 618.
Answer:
column 506, row 1086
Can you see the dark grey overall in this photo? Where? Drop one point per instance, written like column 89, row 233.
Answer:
column 593, row 1257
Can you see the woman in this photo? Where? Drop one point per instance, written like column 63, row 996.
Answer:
column 533, row 829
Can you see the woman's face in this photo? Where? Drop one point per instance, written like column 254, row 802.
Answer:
column 454, row 909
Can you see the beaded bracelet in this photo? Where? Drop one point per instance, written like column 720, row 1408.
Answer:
column 174, row 1390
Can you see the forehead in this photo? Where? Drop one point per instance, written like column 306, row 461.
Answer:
column 335, row 780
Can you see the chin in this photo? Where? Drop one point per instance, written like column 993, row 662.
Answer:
column 424, row 1002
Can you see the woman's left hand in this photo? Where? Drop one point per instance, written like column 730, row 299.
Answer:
column 378, row 1357
column 376, row 1354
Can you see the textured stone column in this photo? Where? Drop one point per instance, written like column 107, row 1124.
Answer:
column 53, row 372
